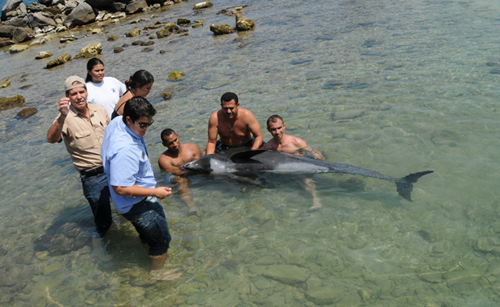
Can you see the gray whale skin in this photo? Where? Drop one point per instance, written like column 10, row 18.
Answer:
column 255, row 161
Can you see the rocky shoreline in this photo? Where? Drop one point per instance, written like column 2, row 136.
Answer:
column 41, row 22
column 22, row 23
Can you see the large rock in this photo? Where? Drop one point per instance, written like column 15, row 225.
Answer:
column 221, row 29
column 6, row 30
column 135, row 6
column 10, row 5
column 99, row 4
column 59, row 61
column 244, row 24
column 40, row 20
column 118, row 7
column 288, row 274
column 90, row 51
column 80, row 15
column 35, row 7
column 45, row 2
column 12, row 102
column 70, row 6
column 17, row 22
column 23, row 9
column 22, row 34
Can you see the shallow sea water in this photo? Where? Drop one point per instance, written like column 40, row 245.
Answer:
column 393, row 86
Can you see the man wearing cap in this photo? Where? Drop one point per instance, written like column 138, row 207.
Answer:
column 82, row 127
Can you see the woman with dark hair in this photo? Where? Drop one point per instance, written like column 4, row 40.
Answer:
column 139, row 84
column 104, row 91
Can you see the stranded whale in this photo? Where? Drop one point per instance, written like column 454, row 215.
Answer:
column 254, row 161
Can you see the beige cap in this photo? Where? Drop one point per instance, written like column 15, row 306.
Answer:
column 68, row 84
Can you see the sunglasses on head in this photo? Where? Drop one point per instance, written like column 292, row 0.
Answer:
column 144, row 125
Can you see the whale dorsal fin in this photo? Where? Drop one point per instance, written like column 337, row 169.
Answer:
column 245, row 155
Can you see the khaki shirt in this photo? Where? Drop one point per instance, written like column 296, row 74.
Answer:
column 83, row 136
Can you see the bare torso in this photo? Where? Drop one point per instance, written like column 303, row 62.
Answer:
column 173, row 161
column 233, row 132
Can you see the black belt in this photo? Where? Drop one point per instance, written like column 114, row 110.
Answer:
column 92, row 172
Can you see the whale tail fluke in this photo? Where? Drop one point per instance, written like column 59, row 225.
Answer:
column 404, row 185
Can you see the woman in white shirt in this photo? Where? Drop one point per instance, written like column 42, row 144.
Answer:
column 139, row 84
column 104, row 91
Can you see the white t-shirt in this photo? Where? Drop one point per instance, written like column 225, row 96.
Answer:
column 106, row 94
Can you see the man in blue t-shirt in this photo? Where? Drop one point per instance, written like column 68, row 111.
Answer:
column 132, row 183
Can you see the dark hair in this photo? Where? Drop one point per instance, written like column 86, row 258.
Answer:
column 90, row 65
column 227, row 97
column 274, row 118
column 136, row 107
column 139, row 79
column 166, row 132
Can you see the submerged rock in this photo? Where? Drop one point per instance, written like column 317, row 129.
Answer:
column 27, row 112
column 5, row 83
column 38, row 41
column 183, row 21
column 167, row 95
column 59, row 61
column 43, row 55
column 244, row 24
column 12, row 102
column 112, row 38
column 221, row 29
column 90, row 51
column 288, row 274
column 176, row 75
column 117, row 49
column 67, row 38
column 202, row 5
column 324, row 295
column 133, row 33
column 17, row 48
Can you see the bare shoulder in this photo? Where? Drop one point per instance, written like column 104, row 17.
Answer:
column 213, row 117
column 247, row 114
column 298, row 142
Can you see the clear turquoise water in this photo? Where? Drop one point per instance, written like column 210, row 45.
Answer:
column 394, row 86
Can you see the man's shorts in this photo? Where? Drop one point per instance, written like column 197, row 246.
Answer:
column 149, row 220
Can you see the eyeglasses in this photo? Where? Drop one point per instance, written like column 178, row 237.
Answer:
column 145, row 125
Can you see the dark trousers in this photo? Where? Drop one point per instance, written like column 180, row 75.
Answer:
column 96, row 191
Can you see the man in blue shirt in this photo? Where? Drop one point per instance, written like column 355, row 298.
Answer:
column 132, row 183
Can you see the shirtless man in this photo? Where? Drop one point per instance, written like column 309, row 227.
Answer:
column 174, row 158
column 292, row 145
column 237, row 127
